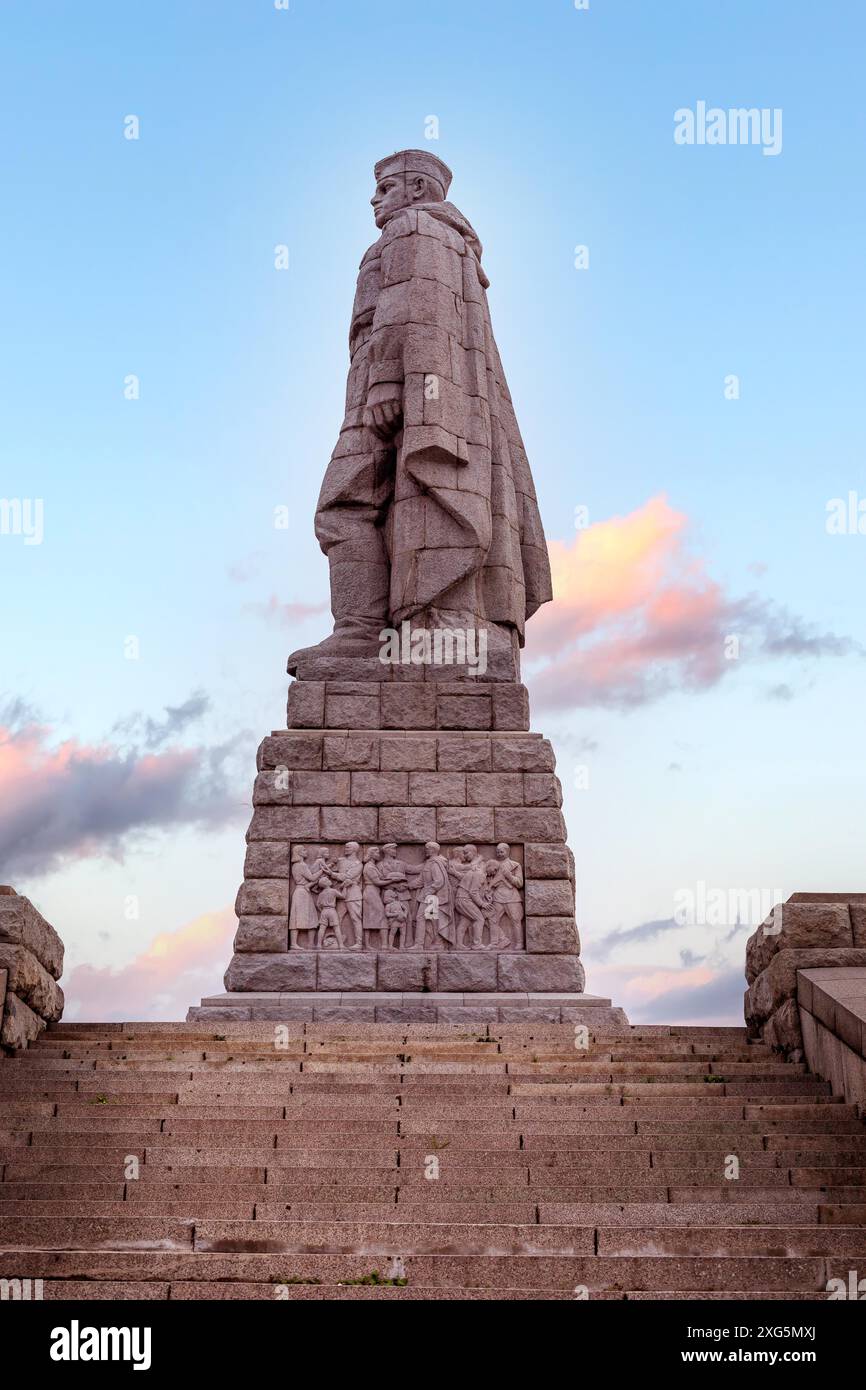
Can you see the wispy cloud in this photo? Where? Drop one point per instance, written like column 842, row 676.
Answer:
column 636, row 614
column 242, row 571
column 154, row 732
column 286, row 614
column 691, row 994
column 782, row 692
column 628, row 937
column 61, row 799
column 604, row 948
column 789, row 635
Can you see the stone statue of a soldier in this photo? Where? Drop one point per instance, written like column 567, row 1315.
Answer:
column 427, row 511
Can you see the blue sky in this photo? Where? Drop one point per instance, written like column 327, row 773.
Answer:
column 155, row 257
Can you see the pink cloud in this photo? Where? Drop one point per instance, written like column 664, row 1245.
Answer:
column 286, row 614
column 636, row 614
column 693, row 994
column 173, row 972
column 70, row 800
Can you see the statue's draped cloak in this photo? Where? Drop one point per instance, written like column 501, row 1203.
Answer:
column 457, row 499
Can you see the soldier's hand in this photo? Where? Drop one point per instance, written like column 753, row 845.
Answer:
column 383, row 413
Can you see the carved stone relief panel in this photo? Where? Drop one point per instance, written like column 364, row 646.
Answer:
column 406, row 897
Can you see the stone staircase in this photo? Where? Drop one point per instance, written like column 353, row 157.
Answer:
column 302, row 1163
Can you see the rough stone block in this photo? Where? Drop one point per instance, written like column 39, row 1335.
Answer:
column 31, row 982
column 437, row 788
column 346, row 969
column 263, row 895
column 458, row 754
column 463, row 824
column 351, row 753
column 281, row 972
column 20, row 1025
column 798, row 926
column 469, row 970
column 408, row 754
column 528, row 823
column 549, row 897
column 464, row 712
column 22, row 925
column 541, row 789
column 548, row 861
column 495, row 789
column 409, row 823
column 539, row 973
column 360, row 688
column 273, row 787
column 527, row 754
column 858, row 922
column 305, row 708
column 783, row 1032
column 338, row 669
column 284, row 823
column 779, row 980
column 380, row 788
column 407, row 970
column 321, row 788
column 267, row 859
column 510, row 706
column 408, row 705
column 552, row 935
column 352, row 712
column 262, row 934
column 344, row 823
column 291, row 751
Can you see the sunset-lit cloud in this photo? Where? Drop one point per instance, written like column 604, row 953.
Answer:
column 636, row 614
column 692, row 994
column 62, row 799
column 174, row 971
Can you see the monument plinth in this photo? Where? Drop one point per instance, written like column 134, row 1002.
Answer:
column 406, row 861
column 407, row 856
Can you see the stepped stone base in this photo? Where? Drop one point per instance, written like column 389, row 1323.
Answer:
column 391, row 1007
column 494, row 1161
column 440, row 781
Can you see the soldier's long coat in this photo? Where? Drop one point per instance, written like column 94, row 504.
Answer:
column 462, row 499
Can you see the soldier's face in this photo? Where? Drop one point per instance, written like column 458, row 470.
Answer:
column 391, row 195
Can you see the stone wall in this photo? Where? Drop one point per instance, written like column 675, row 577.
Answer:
column 31, row 963
column 810, row 930
column 832, row 1009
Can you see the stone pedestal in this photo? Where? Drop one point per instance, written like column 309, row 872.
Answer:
column 376, row 788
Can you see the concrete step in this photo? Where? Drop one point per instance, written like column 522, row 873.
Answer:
column 788, row 1242
column 258, row 1168
column 599, row 1274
